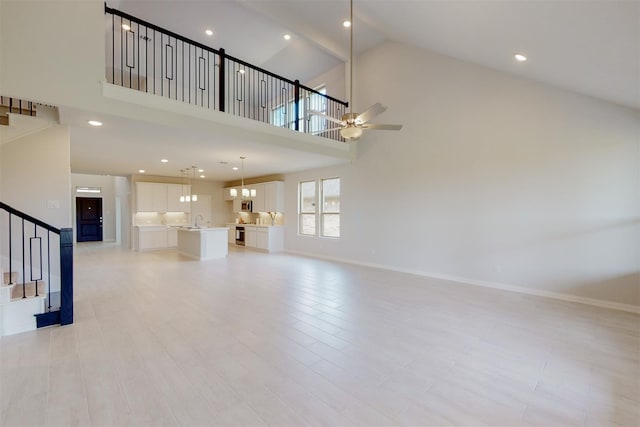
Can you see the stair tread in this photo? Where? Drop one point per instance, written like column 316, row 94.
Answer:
column 6, row 278
column 30, row 290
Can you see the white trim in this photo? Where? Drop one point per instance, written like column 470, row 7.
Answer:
column 494, row 285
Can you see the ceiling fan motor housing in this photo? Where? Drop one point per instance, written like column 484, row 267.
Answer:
column 350, row 118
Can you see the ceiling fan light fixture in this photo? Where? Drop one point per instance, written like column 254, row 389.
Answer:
column 351, row 132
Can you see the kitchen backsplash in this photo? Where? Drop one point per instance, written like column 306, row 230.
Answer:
column 262, row 218
column 155, row 218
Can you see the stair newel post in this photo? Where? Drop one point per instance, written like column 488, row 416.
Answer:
column 24, row 275
column 10, row 253
column 296, row 94
column 221, row 80
column 49, row 269
column 66, row 276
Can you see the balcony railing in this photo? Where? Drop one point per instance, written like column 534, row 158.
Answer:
column 145, row 57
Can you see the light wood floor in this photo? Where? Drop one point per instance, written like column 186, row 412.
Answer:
column 283, row 340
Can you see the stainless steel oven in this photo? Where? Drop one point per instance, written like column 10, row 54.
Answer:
column 240, row 236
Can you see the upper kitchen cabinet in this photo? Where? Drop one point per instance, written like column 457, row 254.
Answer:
column 158, row 197
column 151, row 197
column 265, row 197
column 257, row 197
column 274, row 196
column 174, row 192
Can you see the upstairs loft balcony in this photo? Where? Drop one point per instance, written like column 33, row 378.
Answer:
column 147, row 58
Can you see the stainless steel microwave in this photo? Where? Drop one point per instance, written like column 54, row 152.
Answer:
column 246, row 206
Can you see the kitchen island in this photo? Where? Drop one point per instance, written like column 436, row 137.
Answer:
column 203, row 243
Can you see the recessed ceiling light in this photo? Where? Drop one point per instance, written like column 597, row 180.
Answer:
column 235, row 168
column 346, row 24
column 94, row 123
column 520, row 57
column 126, row 27
column 201, row 176
column 287, row 36
column 200, row 170
column 141, row 170
column 164, row 161
column 241, row 71
column 208, row 32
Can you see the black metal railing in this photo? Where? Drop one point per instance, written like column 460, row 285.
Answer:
column 17, row 106
column 148, row 58
column 40, row 252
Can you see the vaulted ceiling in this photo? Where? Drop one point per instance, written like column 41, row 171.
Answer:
column 586, row 46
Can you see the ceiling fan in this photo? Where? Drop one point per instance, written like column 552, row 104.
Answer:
column 353, row 124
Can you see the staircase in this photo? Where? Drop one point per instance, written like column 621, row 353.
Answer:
column 37, row 273
column 19, row 118
column 19, row 303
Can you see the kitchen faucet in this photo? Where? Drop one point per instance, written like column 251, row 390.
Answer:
column 197, row 225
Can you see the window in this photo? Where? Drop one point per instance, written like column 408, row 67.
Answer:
column 331, row 207
column 319, row 218
column 308, row 209
column 284, row 114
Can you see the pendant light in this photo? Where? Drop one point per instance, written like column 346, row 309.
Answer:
column 182, row 198
column 243, row 191
column 194, row 197
column 189, row 197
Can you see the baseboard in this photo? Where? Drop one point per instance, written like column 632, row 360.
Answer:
column 486, row 284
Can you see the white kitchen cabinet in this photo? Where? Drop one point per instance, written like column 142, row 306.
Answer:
column 250, row 237
column 262, row 238
column 232, row 234
column 152, row 238
column 172, row 237
column 274, row 196
column 160, row 197
column 258, row 199
column 269, row 239
column 151, row 197
column 174, row 192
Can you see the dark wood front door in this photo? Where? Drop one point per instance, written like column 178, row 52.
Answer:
column 88, row 219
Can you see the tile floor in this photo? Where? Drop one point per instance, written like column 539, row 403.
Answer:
column 259, row 339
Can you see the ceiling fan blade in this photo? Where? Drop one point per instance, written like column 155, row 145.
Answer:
column 381, row 127
column 325, row 130
column 371, row 112
column 321, row 114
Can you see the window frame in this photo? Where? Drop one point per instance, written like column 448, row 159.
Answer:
column 319, row 213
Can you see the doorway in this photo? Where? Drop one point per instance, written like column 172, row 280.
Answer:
column 88, row 219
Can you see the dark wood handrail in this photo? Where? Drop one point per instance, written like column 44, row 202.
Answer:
column 23, row 215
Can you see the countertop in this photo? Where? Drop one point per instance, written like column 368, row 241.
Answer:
column 190, row 229
column 229, row 224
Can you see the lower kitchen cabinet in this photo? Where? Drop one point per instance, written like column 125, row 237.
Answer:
column 151, row 238
column 269, row 239
column 172, row 237
column 250, row 240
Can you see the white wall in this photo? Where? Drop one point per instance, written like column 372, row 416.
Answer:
column 36, row 170
column 123, row 193
column 35, row 176
column 493, row 179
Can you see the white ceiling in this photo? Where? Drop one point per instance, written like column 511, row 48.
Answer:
column 586, row 46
